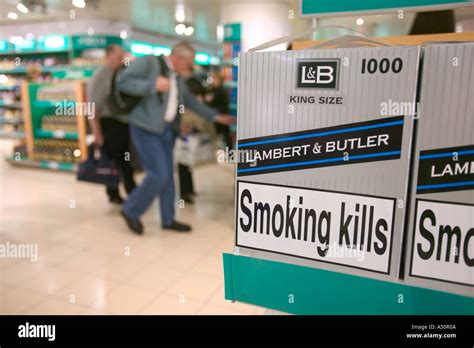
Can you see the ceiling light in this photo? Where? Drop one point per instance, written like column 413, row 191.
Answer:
column 12, row 15
column 189, row 31
column 158, row 50
column 180, row 15
column 54, row 42
column 180, row 29
column 141, row 48
column 220, row 33
column 79, row 3
column 22, row 8
column 123, row 34
column 16, row 40
column 359, row 21
column 202, row 58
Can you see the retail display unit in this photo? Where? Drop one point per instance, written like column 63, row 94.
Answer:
column 49, row 58
column 319, row 203
column 11, row 121
column 55, row 56
column 55, row 125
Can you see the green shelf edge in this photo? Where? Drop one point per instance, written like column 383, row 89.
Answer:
column 47, row 134
column 42, row 164
column 304, row 290
column 62, row 166
column 50, row 103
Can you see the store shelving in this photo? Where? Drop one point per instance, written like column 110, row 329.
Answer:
column 52, row 141
column 8, row 87
column 11, row 120
column 16, row 105
column 11, row 134
column 231, row 49
column 59, row 58
column 58, row 71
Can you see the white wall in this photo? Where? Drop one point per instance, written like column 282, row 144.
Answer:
column 260, row 21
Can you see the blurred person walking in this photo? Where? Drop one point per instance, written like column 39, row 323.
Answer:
column 218, row 98
column 191, row 123
column 154, row 125
column 111, row 130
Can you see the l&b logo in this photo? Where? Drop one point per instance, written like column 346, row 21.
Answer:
column 318, row 73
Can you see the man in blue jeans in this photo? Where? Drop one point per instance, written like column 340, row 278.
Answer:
column 154, row 125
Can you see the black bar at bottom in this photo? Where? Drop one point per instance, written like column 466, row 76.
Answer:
column 136, row 331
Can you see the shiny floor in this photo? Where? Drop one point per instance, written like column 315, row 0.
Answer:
column 89, row 263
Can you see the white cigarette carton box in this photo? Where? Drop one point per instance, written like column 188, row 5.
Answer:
column 324, row 141
column 440, row 238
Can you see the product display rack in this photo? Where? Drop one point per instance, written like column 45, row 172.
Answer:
column 59, row 57
column 54, row 147
column 273, row 282
column 231, row 48
column 11, row 120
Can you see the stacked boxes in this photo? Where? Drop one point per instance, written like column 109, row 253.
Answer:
column 341, row 168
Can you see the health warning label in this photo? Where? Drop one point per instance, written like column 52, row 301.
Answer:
column 443, row 242
column 340, row 228
column 377, row 140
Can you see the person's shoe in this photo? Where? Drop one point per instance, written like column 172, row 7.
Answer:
column 177, row 227
column 116, row 200
column 134, row 224
column 187, row 199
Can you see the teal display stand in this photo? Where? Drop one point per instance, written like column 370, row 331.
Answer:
column 304, row 290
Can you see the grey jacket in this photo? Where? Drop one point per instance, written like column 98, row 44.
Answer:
column 139, row 80
column 98, row 89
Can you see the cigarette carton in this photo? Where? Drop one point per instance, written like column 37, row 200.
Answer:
column 324, row 143
column 440, row 239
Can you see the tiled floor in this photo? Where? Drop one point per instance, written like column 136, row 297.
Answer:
column 89, row 263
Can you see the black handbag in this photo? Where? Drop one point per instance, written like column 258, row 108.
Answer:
column 99, row 168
